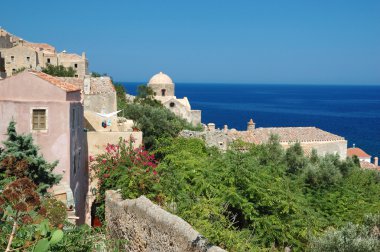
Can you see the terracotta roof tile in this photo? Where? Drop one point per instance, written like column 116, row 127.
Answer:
column 368, row 165
column 296, row 134
column 357, row 152
column 68, row 87
column 41, row 46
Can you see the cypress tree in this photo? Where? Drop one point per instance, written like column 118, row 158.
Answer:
column 20, row 149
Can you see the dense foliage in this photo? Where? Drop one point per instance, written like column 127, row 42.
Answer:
column 59, row 71
column 154, row 120
column 132, row 170
column 351, row 237
column 30, row 220
column 261, row 198
column 20, row 159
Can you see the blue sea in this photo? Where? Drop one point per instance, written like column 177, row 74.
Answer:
column 351, row 111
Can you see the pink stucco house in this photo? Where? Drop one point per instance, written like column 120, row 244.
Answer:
column 51, row 110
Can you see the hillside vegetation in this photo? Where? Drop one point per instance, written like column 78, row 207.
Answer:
column 260, row 199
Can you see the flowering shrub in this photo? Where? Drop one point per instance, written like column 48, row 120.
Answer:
column 132, row 170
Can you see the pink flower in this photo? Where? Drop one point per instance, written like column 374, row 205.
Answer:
column 104, row 161
column 91, row 158
column 155, row 172
column 106, row 175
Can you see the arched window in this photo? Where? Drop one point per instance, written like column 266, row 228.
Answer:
column 163, row 91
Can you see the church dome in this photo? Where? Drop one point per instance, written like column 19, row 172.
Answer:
column 160, row 78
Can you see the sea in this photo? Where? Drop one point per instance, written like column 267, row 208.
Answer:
column 351, row 111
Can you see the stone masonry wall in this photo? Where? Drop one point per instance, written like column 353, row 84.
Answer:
column 148, row 227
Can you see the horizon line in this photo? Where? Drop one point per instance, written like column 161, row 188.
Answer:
column 253, row 83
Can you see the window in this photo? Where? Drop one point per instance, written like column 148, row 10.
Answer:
column 28, row 59
column 172, row 104
column 39, row 119
column 12, row 58
column 76, row 76
column 76, row 65
column 163, row 91
column 48, row 61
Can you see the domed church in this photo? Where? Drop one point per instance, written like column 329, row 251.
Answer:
column 163, row 88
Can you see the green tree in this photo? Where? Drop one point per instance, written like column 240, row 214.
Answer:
column 145, row 96
column 20, row 158
column 120, row 96
column 59, row 71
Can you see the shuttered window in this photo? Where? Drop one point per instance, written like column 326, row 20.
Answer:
column 39, row 119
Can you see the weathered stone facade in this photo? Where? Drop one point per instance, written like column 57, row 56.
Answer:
column 309, row 137
column 16, row 54
column 164, row 91
column 149, row 228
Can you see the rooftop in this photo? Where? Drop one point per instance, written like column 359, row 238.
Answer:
column 357, row 152
column 41, row 47
column 286, row 135
column 68, row 87
column 368, row 165
column 160, row 78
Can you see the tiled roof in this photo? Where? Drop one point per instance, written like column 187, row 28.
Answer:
column 41, row 46
column 357, row 152
column 56, row 81
column 98, row 85
column 246, row 136
column 290, row 135
column 368, row 165
column 69, row 56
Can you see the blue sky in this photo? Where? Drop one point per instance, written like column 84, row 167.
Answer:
column 220, row 41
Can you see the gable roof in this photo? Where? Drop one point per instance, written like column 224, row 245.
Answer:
column 357, row 152
column 68, row 87
column 295, row 134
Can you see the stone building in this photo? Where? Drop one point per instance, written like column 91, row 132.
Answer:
column 51, row 111
column 98, row 96
column 364, row 158
column 16, row 54
column 309, row 137
column 164, row 91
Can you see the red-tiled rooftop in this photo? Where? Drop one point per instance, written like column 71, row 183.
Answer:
column 357, row 152
column 68, row 87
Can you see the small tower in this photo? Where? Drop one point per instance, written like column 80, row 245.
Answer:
column 250, row 125
column 162, row 85
column 225, row 129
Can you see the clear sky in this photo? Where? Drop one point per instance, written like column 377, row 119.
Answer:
column 221, row 41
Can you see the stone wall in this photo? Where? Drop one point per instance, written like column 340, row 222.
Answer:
column 147, row 227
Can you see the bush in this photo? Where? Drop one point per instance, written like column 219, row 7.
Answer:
column 351, row 237
column 123, row 167
column 59, row 71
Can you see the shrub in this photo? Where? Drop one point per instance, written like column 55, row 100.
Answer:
column 133, row 170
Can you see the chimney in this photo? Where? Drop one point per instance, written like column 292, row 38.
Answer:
column 376, row 161
column 87, row 85
column 211, row 126
column 225, row 129
column 83, row 55
column 251, row 125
